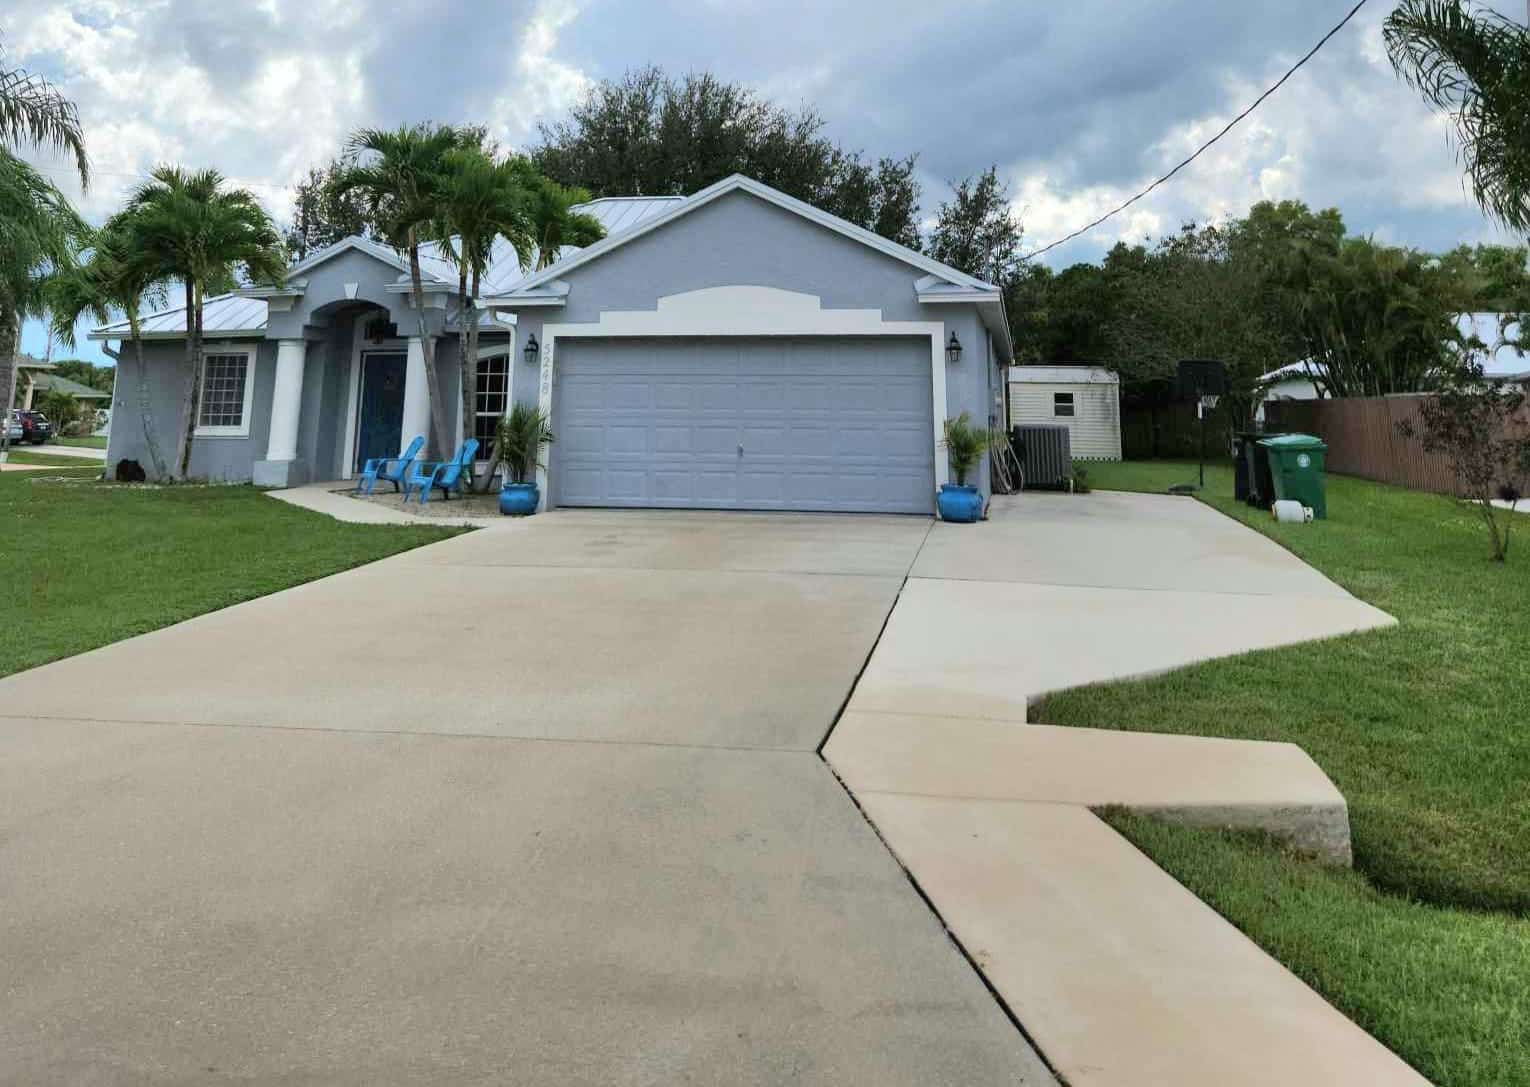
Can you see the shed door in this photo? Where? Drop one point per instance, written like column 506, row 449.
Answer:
column 810, row 423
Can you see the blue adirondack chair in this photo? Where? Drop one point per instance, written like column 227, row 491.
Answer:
column 447, row 475
column 393, row 469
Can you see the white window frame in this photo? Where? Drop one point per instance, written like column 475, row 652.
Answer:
column 1072, row 405
column 251, row 352
column 482, row 454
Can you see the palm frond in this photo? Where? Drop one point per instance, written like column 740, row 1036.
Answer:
column 34, row 112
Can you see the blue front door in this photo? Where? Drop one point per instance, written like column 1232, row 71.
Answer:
column 382, row 406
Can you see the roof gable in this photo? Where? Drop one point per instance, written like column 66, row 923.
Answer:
column 740, row 183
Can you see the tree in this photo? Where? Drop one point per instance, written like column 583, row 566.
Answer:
column 34, row 113
column 479, row 200
column 399, row 175
column 39, row 234
column 187, row 225
column 115, row 278
column 1474, row 66
column 39, row 231
column 1479, row 424
column 649, row 134
column 553, row 222
column 322, row 215
column 976, row 231
column 1377, row 319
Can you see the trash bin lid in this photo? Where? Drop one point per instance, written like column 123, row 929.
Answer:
column 1294, row 441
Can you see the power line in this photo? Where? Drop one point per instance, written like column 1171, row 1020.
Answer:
column 1203, row 148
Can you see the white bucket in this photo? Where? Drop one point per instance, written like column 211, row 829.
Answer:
column 1291, row 512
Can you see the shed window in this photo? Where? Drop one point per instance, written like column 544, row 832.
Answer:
column 1062, row 405
column 490, row 401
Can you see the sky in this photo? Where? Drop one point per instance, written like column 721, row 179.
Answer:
column 1078, row 104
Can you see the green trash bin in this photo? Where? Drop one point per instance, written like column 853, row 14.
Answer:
column 1296, row 467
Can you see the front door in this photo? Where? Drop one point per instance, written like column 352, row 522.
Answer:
column 381, row 415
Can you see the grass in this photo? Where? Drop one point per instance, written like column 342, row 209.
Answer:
column 90, row 563
column 1444, row 989
column 91, row 441
column 26, row 456
column 1424, row 729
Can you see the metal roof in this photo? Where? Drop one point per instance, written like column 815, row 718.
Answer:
column 1503, row 355
column 618, row 213
column 44, row 382
column 235, row 314
column 223, row 315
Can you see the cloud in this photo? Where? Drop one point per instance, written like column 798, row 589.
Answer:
column 1079, row 104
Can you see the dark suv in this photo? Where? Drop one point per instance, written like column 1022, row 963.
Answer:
column 35, row 427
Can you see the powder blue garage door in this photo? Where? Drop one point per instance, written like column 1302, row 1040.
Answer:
column 806, row 423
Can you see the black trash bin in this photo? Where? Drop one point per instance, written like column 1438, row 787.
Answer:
column 1252, row 480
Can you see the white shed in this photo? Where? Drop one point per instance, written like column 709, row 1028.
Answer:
column 1086, row 399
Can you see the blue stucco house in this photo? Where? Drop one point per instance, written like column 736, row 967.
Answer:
column 735, row 349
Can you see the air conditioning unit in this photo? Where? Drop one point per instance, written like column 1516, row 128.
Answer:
column 1045, row 453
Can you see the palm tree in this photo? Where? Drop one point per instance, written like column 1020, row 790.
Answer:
column 186, row 225
column 556, row 225
column 479, row 200
column 33, row 112
column 39, row 234
column 114, row 279
column 400, row 176
column 1474, row 65
column 39, row 231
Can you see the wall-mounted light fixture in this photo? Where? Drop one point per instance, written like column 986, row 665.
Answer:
column 953, row 349
column 531, row 349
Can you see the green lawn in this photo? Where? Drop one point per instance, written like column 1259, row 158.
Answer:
column 92, row 441
column 90, row 563
column 1426, row 730
column 17, row 455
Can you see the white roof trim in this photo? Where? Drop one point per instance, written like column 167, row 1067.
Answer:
column 355, row 241
column 735, row 183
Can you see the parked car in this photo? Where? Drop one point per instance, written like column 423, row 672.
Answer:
column 13, row 429
column 35, row 427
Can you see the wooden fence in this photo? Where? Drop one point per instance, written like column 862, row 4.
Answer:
column 1363, row 439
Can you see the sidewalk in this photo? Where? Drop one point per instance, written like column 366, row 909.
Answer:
column 1120, row 976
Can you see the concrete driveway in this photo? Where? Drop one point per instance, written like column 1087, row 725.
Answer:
column 539, row 806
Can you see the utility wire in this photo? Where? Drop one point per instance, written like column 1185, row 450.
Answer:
column 1205, row 146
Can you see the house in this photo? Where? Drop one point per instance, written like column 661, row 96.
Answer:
column 1502, row 357
column 38, row 382
column 1085, row 399
column 737, row 348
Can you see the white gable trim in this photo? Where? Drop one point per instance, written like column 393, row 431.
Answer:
column 735, row 183
column 355, row 241
column 745, row 311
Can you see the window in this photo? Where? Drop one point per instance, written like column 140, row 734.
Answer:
column 490, row 401
column 1062, row 405
column 227, row 382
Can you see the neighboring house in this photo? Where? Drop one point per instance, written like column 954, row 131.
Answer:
column 38, row 382
column 1503, row 358
column 1085, row 399
column 733, row 349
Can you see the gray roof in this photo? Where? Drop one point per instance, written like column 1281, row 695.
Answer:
column 237, row 314
column 44, row 382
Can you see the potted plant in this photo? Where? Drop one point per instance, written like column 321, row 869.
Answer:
column 520, row 438
column 964, row 444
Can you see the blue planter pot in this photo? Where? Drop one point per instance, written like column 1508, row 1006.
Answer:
column 518, row 499
column 958, row 503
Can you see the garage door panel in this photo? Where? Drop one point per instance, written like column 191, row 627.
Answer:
column 791, row 423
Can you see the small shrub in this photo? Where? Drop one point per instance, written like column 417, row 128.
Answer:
column 964, row 444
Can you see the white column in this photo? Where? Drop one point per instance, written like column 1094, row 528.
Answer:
column 416, row 397
column 286, row 400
